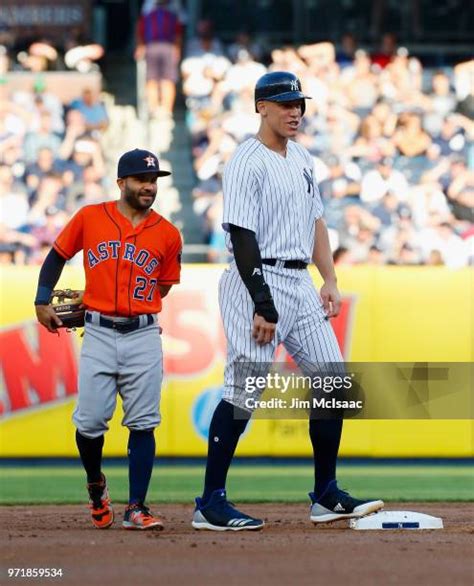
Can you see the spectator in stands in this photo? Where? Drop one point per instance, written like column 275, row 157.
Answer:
column 50, row 192
column 15, row 246
column 370, row 146
column 360, row 84
column 46, row 232
column 435, row 259
column 41, row 56
column 217, row 245
column 381, row 180
column 41, row 138
column 464, row 85
column 442, row 101
column 358, row 231
column 82, row 57
column 217, row 153
column 15, row 242
column 460, row 189
column 8, row 139
column 453, row 249
column 342, row 256
column 201, row 76
column 347, row 51
column 45, row 164
column 386, row 117
column 361, row 243
column 240, row 122
column 39, row 100
column 159, row 37
column 408, row 255
column 388, row 209
column 385, row 54
column 205, row 42
column 6, row 44
column 339, row 183
column 243, row 41
column 451, row 138
column 241, row 76
column 86, row 152
column 15, row 118
column 86, row 188
column 429, row 205
column 14, row 206
column 375, row 256
column 92, row 109
column 410, row 139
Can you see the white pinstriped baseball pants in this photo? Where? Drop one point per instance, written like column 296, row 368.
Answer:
column 302, row 328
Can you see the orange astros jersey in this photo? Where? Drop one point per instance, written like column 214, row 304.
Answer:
column 124, row 265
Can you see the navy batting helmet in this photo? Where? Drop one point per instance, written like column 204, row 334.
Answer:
column 279, row 86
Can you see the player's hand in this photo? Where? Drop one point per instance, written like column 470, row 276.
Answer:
column 263, row 331
column 47, row 317
column 331, row 299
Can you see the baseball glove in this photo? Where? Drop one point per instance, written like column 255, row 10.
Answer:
column 69, row 308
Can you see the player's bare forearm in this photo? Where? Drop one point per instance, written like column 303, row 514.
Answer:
column 322, row 255
column 322, row 258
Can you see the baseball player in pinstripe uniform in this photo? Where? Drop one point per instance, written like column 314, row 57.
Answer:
column 273, row 219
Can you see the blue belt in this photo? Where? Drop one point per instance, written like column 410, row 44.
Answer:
column 122, row 326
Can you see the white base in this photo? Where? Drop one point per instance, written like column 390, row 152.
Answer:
column 397, row 520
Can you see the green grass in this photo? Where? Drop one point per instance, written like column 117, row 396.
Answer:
column 180, row 484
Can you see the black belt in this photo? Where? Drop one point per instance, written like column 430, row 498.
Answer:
column 287, row 264
column 123, row 327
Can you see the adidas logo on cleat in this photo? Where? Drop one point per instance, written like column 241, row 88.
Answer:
column 339, row 508
column 238, row 522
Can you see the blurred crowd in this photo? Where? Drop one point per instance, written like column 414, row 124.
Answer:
column 51, row 163
column 51, row 159
column 392, row 143
column 73, row 51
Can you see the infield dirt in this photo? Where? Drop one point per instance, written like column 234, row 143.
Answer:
column 289, row 551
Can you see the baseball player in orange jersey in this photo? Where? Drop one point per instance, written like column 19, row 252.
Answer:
column 131, row 259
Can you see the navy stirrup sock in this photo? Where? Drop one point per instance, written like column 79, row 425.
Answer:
column 90, row 450
column 325, row 437
column 224, row 433
column 141, row 456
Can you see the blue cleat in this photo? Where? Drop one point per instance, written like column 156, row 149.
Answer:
column 337, row 504
column 219, row 515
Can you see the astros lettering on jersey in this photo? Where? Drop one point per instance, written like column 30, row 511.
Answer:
column 124, row 265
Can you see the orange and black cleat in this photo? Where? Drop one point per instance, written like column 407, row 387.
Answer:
column 138, row 516
column 102, row 513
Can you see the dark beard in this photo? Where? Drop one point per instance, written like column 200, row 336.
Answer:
column 132, row 199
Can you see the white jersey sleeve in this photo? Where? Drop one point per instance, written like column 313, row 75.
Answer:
column 241, row 190
column 318, row 202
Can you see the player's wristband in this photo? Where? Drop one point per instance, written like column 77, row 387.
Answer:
column 43, row 295
column 264, row 305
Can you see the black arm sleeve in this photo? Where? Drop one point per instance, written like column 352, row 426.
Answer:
column 49, row 275
column 249, row 264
